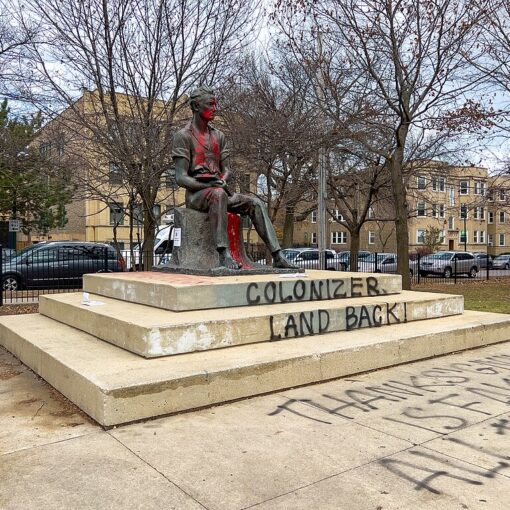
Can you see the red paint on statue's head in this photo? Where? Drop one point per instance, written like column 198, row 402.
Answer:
column 207, row 108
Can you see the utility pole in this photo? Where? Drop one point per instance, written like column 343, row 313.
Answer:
column 321, row 205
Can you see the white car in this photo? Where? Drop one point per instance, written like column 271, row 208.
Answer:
column 162, row 248
column 309, row 259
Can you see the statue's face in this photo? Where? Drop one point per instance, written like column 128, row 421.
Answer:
column 206, row 108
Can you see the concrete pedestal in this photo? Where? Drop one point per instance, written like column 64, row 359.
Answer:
column 155, row 344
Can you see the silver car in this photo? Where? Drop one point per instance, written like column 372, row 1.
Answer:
column 309, row 259
column 501, row 262
column 384, row 263
column 448, row 263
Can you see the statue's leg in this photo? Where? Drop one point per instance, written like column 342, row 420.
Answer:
column 213, row 201
column 257, row 211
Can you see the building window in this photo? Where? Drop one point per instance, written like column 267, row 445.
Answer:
column 114, row 173
column 421, row 183
column 244, row 183
column 116, row 214
column 464, row 188
column 421, row 209
column 463, row 236
column 502, row 216
column 137, row 215
column 441, row 236
column 451, row 196
column 451, row 223
column 490, row 217
column 156, row 211
column 479, row 213
column 490, row 195
column 502, row 195
column 479, row 237
column 60, row 146
column 438, row 184
column 463, row 212
column 338, row 237
column 438, row 210
column 371, row 237
column 491, row 239
column 314, row 237
column 314, row 217
column 371, row 214
column 420, row 236
column 45, row 149
column 479, row 188
column 501, row 239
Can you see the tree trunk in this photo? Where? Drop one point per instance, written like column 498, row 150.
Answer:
column 149, row 233
column 288, row 227
column 354, row 250
column 401, row 215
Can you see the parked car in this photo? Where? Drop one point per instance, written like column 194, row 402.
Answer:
column 501, row 262
column 379, row 263
column 7, row 253
column 309, row 259
column 483, row 259
column 58, row 264
column 447, row 262
column 289, row 253
column 344, row 257
column 163, row 244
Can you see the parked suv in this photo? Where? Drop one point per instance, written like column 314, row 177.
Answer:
column 58, row 264
column 447, row 262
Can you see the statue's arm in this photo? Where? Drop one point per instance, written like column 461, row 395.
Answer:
column 184, row 179
column 225, row 170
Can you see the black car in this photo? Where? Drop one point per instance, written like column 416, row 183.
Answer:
column 58, row 264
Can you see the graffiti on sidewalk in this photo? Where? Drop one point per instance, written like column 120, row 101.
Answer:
column 445, row 399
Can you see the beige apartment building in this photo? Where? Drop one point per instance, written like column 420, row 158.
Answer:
column 92, row 216
column 468, row 209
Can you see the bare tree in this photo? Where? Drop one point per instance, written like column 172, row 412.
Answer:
column 276, row 133
column 137, row 58
column 14, row 40
column 406, row 58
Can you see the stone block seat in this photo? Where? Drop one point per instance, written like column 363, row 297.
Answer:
column 197, row 253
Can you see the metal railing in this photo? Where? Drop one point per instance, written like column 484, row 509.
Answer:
column 28, row 274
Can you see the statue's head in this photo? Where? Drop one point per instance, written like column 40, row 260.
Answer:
column 203, row 102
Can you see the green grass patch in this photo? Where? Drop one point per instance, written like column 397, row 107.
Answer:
column 482, row 295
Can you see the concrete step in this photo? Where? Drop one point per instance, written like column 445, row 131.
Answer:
column 153, row 332
column 115, row 386
column 179, row 292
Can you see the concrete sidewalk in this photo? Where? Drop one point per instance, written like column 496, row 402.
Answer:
column 429, row 435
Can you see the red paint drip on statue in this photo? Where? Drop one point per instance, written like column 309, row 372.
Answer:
column 235, row 241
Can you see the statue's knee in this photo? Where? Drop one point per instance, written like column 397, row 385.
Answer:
column 217, row 195
column 257, row 203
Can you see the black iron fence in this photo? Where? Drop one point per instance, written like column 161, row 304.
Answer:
column 59, row 267
column 438, row 267
column 52, row 268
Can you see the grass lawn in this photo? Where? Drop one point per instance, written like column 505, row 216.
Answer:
column 486, row 296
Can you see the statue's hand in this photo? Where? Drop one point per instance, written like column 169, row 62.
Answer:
column 219, row 183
